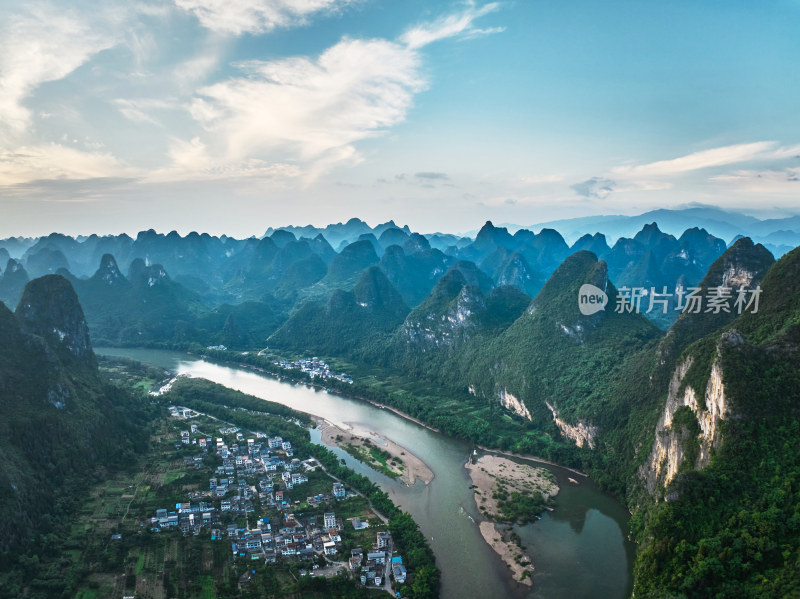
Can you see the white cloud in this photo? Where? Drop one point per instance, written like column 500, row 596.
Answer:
column 281, row 119
column 761, row 182
column 43, row 44
column 643, row 185
column 191, row 161
column 597, row 187
column 135, row 112
column 539, row 179
column 56, row 161
column 190, row 73
column 143, row 110
column 450, row 26
column 256, row 16
column 715, row 157
column 312, row 108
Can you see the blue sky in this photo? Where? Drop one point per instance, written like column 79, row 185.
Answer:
column 230, row 117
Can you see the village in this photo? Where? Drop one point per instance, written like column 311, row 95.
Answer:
column 271, row 506
column 314, row 367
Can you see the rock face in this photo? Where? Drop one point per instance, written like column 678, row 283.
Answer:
column 668, row 451
column 581, row 433
column 446, row 318
column 49, row 308
column 142, row 274
column 109, row 272
column 744, row 264
column 509, row 402
column 446, row 329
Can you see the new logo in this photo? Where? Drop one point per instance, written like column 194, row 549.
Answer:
column 591, row 299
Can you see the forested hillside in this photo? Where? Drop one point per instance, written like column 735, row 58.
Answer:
column 61, row 426
column 729, row 525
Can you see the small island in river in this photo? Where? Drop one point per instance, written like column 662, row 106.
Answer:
column 377, row 451
column 507, row 492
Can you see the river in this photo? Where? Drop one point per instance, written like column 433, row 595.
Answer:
column 578, row 550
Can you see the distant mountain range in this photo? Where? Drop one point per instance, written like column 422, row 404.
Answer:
column 197, row 288
column 778, row 235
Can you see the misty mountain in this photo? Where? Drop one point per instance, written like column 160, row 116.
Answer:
column 374, row 241
column 510, row 268
column 281, row 238
column 344, row 270
column 596, row 244
column 45, row 261
column 299, row 275
column 444, row 241
column 320, row 246
column 718, row 222
column 341, row 234
column 16, row 246
column 12, row 282
column 393, row 236
column 656, row 260
column 455, row 314
column 413, row 274
column 348, row 322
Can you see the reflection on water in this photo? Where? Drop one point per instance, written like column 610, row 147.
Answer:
column 579, row 549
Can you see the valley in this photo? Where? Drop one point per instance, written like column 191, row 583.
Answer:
column 445, row 508
column 410, row 351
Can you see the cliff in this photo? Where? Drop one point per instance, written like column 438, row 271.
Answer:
column 678, row 441
column 581, row 433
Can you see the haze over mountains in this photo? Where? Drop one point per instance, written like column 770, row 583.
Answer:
column 199, row 285
column 173, row 289
column 778, row 235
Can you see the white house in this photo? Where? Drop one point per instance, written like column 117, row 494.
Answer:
column 383, row 539
column 399, row 571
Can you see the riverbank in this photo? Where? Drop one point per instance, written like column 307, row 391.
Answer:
column 572, row 553
column 383, row 406
column 494, row 479
column 533, row 458
column 403, row 463
column 286, row 375
column 398, row 462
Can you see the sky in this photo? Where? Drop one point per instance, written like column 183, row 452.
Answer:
column 231, row 117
